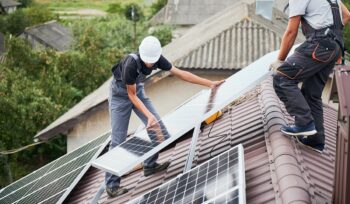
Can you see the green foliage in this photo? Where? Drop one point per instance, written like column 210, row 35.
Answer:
column 26, row 106
column 133, row 12
column 157, row 6
column 16, row 22
column 115, row 8
column 164, row 34
column 347, row 31
column 25, row 3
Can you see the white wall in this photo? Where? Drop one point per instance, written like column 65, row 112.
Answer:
column 166, row 95
column 10, row 9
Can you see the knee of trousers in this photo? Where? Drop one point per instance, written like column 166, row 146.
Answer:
column 117, row 138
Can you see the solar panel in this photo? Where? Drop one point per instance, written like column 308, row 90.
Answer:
column 221, row 178
column 52, row 182
column 230, row 197
column 123, row 158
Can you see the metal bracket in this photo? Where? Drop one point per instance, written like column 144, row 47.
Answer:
column 98, row 194
column 192, row 150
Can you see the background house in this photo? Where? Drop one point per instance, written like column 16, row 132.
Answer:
column 48, row 35
column 8, row 6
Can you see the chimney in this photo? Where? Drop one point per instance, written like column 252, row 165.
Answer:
column 341, row 191
column 264, row 8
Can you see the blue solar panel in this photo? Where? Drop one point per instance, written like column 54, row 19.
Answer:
column 54, row 180
column 219, row 179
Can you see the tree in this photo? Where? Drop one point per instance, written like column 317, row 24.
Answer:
column 25, row 3
column 157, row 6
column 164, row 34
column 16, row 22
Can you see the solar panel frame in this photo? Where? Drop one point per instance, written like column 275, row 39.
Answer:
column 79, row 160
column 256, row 72
column 236, row 200
column 169, row 191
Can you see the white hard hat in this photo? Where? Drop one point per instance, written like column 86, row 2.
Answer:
column 150, row 49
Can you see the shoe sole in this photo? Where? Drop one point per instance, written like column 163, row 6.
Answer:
column 307, row 133
column 308, row 147
column 118, row 194
column 163, row 169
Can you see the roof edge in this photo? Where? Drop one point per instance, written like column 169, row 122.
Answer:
column 289, row 184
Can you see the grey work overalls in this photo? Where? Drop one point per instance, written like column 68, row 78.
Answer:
column 120, row 108
column 311, row 63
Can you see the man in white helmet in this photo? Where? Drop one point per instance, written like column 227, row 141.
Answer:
column 127, row 93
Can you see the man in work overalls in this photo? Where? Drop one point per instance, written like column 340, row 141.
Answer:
column 312, row 62
column 127, row 93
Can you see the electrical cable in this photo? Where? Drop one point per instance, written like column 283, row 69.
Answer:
column 13, row 151
column 222, row 136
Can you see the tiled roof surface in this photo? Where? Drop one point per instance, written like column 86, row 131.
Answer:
column 277, row 169
column 234, row 48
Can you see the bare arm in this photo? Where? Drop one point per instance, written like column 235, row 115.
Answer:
column 131, row 89
column 189, row 77
column 345, row 14
column 289, row 37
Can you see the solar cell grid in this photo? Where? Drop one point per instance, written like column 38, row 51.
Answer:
column 49, row 183
column 58, row 185
column 230, row 197
column 201, row 184
column 25, row 180
column 52, row 199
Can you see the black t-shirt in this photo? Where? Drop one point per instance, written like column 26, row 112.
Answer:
column 127, row 69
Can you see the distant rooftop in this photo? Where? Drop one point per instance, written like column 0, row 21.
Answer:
column 51, row 34
column 9, row 3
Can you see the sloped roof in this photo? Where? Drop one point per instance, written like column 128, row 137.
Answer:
column 9, row 3
column 181, row 50
column 51, row 34
column 234, row 48
column 278, row 170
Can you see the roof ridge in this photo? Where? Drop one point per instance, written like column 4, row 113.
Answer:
column 289, row 184
column 40, row 24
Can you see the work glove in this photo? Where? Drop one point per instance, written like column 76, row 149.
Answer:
column 275, row 65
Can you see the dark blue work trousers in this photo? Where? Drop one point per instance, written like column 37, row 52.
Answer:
column 311, row 63
column 120, row 108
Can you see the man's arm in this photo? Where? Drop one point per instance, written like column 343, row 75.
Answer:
column 345, row 13
column 189, row 77
column 131, row 89
column 289, row 37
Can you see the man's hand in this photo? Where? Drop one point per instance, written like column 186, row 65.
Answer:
column 275, row 65
column 154, row 126
column 215, row 84
column 151, row 120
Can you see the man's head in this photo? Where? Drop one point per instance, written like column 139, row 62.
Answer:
column 150, row 50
